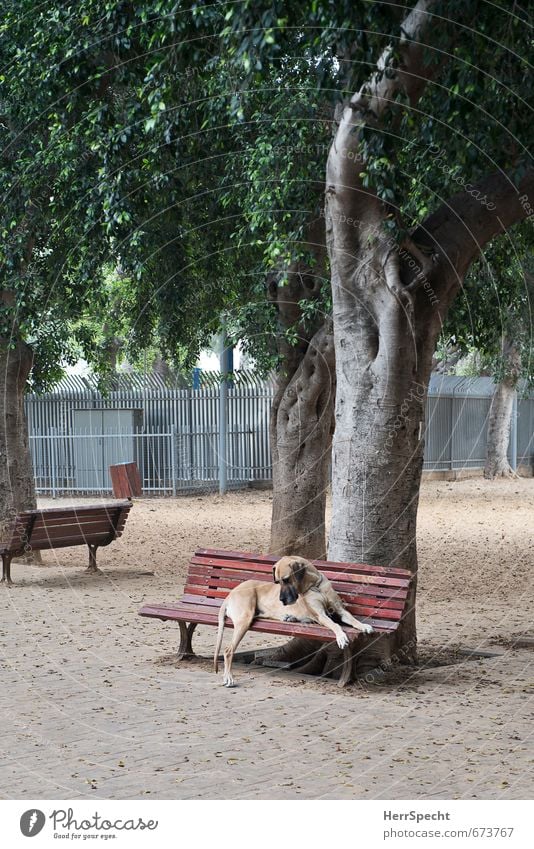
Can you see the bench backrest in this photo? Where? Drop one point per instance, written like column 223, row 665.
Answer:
column 60, row 527
column 378, row 594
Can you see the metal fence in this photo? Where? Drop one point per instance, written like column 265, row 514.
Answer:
column 457, row 417
column 172, row 433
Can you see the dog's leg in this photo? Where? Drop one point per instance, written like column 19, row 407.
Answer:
column 348, row 619
column 323, row 619
column 240, row 629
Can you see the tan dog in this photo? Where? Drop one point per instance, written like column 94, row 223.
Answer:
column 302, row 587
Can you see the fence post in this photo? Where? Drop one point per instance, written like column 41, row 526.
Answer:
column 226, row 367
column 53, row 458
column 454, row 422
column 173, row 458
column 513, row 435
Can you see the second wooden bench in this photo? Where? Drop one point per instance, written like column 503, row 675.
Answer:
column 93, row 525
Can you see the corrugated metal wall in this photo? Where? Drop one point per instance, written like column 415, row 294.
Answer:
column 175, row 438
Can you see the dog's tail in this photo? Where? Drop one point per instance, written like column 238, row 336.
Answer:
column 222, row 617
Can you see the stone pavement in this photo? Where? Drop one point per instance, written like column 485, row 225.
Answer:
column 95, row 706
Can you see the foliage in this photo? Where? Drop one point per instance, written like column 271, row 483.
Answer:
column 184, row 143
column 496, row 306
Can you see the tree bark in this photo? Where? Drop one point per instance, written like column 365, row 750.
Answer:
column 302, row 411
column 301, row 433
column 500, row 418
column 17, row 488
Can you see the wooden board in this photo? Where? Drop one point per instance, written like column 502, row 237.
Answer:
column 322, row 565
column 203, row 616
column 125, row 480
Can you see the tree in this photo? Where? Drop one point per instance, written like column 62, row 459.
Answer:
column 33, row 301
column 62, row 140
column 394, row 278
column 416, row 185
column 156, row 145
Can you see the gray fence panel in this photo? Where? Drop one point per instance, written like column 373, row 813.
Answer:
column 525, row 431
column 172, row 433
column 469, row 432
column 438, row 433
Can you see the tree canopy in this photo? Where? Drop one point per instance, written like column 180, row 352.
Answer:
column 186, row 144
column 494, row 312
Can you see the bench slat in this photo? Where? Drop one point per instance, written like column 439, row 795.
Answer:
column 74, row 511
column 352, row 596
column 71, row 529
column 85, row 533
column 262, row 574
column 192, row 608
column 79, row 521
column 192, row 613
column 360, row 611
column 207, row 574
column 322, row 565
column 221, row 590
column 66, row 541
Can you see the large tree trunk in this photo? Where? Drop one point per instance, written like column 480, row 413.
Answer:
column 17, row 488
column 385, row 330
column 500, row 418
column 301, row 424
column 302, row 411
column 301, row 433
column 382, row 373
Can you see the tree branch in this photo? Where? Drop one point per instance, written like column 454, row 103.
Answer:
column 463, row 225
column 367, row 106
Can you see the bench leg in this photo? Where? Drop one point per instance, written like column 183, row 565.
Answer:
column 346, row 669
column 92, row 558
column 6, row 569
column 186, row 635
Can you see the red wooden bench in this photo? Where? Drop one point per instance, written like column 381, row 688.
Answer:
column 375, row 594
column 93, row 525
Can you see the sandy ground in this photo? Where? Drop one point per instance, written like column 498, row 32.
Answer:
column 94, row 704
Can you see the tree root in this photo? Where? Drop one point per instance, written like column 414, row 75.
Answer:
column 370, row 655
column 499, row 470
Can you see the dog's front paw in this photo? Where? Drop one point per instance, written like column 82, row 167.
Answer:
column 289, row 618
column 342, row 640
column 367, row 629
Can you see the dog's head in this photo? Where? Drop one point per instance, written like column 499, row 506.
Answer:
column 295, row 576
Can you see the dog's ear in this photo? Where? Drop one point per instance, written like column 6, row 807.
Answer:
column 274, row 575
column 298, row 568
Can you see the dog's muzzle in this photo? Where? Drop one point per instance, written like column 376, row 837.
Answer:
column 288, row 595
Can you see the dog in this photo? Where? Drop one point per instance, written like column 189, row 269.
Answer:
column 303, row 588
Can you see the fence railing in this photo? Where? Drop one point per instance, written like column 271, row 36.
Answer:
column 169, row 462
column 172, row 435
